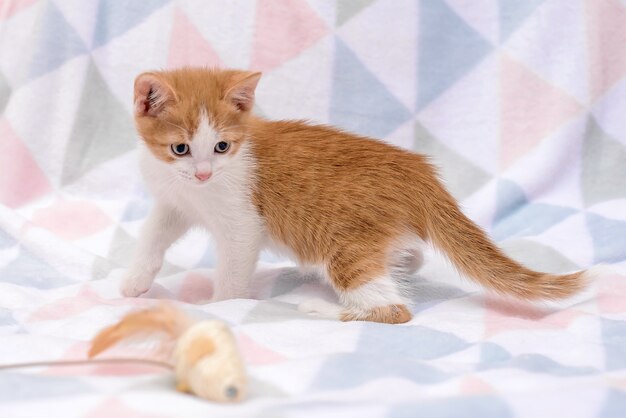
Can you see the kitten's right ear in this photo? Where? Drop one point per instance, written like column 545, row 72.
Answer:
column 152, row 94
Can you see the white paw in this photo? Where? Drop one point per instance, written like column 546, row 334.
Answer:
column 133, row 284
column 320, row 307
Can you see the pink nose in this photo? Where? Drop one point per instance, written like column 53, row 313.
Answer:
column 203, row 176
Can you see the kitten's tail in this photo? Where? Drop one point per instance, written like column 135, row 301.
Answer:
column 475, row 255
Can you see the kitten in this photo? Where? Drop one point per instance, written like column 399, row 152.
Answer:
column 356, row 208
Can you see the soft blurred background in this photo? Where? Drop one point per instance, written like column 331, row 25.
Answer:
column 520, row 102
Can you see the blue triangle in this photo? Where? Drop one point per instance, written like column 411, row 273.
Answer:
column 516, row 217
column 608, row 239
column 28, row 270
column 360, row 102
column 614, row 405
column 510, row 198
column 116, row 17
column 6, row 240
column 139, row 206
column 614, row 342
column 57, row 43
column 448, row 48
column 413, row 343
column 483, row 406
column 6, row 317
column 513, row 13
column 26, row 387
column 492, row 354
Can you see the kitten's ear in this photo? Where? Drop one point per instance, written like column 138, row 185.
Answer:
column 241, row 90
column 152, row 94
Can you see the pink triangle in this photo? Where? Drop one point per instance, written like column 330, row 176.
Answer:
column 503, row 315
column 188, row 47
column 78, row 352
column 255, row 353
column 114, row 407
column 283, row 30
column 71, row 219
column 606, row 35
column 531, row 109
column 85, row 299
column 22, row 180
column 612, row 294
column 195, row 288
column 474, row 386
column 9, row 8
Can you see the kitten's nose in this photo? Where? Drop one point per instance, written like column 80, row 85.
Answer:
column 203, row 175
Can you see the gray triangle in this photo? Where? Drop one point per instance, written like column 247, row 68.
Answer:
column 346, row 9
column 461, row 177
column 5, row 93
column 103, row 129
column 101, row 268
column 603, row 166
column 273, row 311
column 121, row 248
column 538, row 256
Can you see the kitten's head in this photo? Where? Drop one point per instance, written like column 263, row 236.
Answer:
column 194, row 119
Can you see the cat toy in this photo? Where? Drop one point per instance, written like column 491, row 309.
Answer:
column 204, row 355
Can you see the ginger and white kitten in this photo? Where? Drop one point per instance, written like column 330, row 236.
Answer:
column 354, row 207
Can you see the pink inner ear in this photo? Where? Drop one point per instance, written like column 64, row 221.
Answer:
column 242, row 93
column 243, row 100
column 150, row 96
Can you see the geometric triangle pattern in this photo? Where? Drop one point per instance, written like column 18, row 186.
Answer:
column 519, row 104
column 603, row 166
column 360, row 102
column 56, row 42
column 116, row 18
column 448, row 49
column 451, row 164
column 346, row 9
column 5, row 93
column 102, row 129
column 513, row 13
column 188, row 47
column 282, row 33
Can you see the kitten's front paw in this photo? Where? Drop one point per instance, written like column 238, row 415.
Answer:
column 133, row 285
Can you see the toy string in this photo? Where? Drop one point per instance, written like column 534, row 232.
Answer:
column 86, row 362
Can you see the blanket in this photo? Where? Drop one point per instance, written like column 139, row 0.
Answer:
column 520, row 104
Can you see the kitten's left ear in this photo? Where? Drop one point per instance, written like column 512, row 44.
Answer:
column 152, row 94
column 241, row 91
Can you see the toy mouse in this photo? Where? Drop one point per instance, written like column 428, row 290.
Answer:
column 204, row 354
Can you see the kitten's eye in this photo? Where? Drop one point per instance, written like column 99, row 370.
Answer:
column 222, row 146
column 180, row 149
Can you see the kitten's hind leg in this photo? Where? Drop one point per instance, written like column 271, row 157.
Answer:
column 359, row 307
column 406, row 261
column 366, row 290
column 378, row 300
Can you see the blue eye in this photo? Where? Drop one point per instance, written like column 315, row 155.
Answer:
column 180, row 149
column 222, row 146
